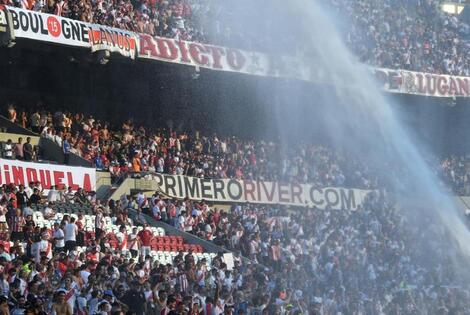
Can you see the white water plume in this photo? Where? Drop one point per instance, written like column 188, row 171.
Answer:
column 359, row 118
column 354, row 113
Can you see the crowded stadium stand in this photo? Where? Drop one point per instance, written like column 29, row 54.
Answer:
column 143, row 170
column 412, row 35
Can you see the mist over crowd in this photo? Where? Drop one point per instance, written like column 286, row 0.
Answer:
column 402, row 249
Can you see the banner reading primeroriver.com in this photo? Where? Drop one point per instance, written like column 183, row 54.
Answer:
column 234, row 191
column 18, row 172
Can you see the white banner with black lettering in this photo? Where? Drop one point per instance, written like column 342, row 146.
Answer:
column 230, row 190
column 420, row 83
column 18, row 172
column 49, row 28
column 56, row 29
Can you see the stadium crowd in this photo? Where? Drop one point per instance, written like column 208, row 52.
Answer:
column 137, row 149
column 56, row 266
column 372, row 260
column 334, row 262
column 132, row 149
column 413, row 35
column 367, row 261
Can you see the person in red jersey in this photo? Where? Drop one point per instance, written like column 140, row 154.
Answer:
column 145, row 238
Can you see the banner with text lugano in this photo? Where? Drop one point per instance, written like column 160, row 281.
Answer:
column 261, row 192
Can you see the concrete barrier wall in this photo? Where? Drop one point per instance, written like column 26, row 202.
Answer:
column 49, row 150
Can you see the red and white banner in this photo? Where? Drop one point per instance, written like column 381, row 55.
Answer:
column 18, row 172
column 241, row 191
column 254, row 63
column 202, row 55
column 112, row 39
column 55, row 29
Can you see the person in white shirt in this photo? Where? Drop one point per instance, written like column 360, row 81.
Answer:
column 140, row 199
column 99, row 224
column 49, row 213
column 188, row 224
column 122, row 239
column 58, row 235
column 71, row 231
column 133, row 245
column 8, row 149
column 69, row 195
column 57, row 138
column 29, row 190
column 3, row 219
column 53, row 195
column 181, row 221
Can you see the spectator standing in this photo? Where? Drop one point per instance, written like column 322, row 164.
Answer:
column 28, row 150
column 70, row 195
column 66, row 147
column 134, row 243
column 23, row 119
column 99, row 224
column 57, row 138
column 18, row 149
column 71, row 293
column 58, row 236
column 34, row 121
column 145, row 237
column 35, row 197
column 11, row 114
column 80, row 230
column 53, row 195
column 122, row 239
column 136, row 163
column 21, row 197
column 3, row 218
column 71, row 232
column 17, row 222
column 8, row 150
column 43, row 248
